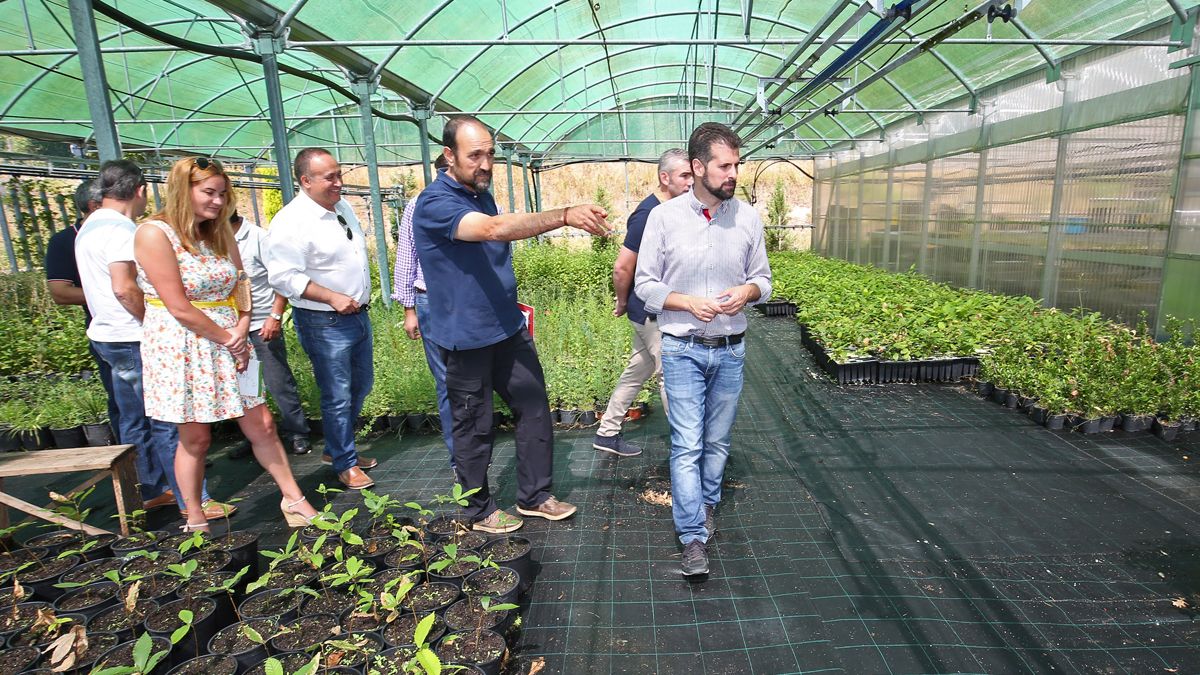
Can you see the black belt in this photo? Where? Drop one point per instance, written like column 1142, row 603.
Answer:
column 361, row 309
column 418, row 290
column 713, row 341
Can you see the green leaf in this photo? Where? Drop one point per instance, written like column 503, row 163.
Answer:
column 274, row 666
column 141, row 648
column 429, row 661
column 310, row 667
column 423, row 627
column 352, row 538
column 253, row 635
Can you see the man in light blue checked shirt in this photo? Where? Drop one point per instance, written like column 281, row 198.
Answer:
column 703, row 259
column 409, row 289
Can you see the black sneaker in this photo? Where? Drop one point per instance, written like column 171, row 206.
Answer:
column 301, row 445
column 695, row 558
column 616, row 445
column 710, row 519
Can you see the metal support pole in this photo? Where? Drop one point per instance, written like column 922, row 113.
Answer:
column 8, row 245
column 95, row 84
column 512, row 189
column 525, row 183
column 62, row 209
column 269, row 47
column 926, row 198
column 537, row 186
column 835, row 227
column 814, row 210
column 859, row 218
column 887, row 218
column 423, row 114
column 1049, row 290
column 364, row 89
column 15, row 198
column 158, row 203
column 398, row 207
column 973, row 276
column 35, row 226
column 254, row 205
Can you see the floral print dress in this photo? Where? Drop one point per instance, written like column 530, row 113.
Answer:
column 186, row 377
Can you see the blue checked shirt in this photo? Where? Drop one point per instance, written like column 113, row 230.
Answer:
column 685, row 252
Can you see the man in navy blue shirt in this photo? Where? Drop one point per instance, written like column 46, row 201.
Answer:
column 674, row 179
column 62, row 278
column 462, row 244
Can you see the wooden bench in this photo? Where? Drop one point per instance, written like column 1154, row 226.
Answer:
column 115, row 461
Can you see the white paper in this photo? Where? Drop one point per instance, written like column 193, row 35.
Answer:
column 250, row 379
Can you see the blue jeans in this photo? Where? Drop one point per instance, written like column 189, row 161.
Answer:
column 703, row 385
column 433, row 356
column 105, row 372
column 339, row 347
column 155, row 441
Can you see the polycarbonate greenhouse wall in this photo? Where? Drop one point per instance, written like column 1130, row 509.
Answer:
column 1063, row 190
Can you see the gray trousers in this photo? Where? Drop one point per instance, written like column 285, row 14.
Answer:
column 277, row 376
column 644, row 363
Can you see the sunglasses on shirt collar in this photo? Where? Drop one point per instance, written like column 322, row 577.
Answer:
column 346, row 226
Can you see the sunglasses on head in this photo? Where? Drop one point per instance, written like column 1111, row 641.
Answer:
column 344, row 224
column 203, row 163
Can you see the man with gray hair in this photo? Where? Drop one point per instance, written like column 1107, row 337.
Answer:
column 62, row 278
column 674, row 179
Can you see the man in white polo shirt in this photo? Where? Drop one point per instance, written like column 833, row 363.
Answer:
column 317, row 259
column 104, row 254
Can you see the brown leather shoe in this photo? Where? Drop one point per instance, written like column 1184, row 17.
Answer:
column 364, row 463
column 165, row 499
column 551, row 509
column 355, row 479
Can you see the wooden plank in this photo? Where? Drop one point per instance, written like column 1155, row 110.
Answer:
column 63, row 460
column 3, row 509
column 129, row 498
column 100, row 475
column 51, row 516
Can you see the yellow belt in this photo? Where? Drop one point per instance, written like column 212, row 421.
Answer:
column 203, row 304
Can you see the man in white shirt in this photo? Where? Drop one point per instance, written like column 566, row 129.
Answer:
column 104, row 254
column 317, row 259
column 267, row 337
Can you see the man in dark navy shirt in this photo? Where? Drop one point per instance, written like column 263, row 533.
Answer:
column 62, row 278
column 462, row 244
column 674, row 179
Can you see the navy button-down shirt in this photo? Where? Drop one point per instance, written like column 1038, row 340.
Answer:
column 472, row 288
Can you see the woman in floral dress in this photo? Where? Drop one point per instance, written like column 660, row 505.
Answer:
column 194, row 338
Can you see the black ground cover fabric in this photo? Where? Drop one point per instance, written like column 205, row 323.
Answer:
column 868, row 529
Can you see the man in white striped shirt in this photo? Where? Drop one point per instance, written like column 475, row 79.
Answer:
column 703, row 259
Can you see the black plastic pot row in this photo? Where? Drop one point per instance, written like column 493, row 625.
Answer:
column 88, row 435
column 1012, row 400
column 104, row 598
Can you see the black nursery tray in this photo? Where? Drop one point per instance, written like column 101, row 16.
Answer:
column 875, row 371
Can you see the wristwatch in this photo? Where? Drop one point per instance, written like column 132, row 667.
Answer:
column 277, row 317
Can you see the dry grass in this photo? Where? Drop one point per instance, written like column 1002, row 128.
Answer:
column 656, row 497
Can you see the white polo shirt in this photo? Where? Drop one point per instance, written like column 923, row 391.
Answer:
column 306, row 243
column 106, row 237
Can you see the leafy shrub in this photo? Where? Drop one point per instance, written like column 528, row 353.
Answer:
column 38, row 337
